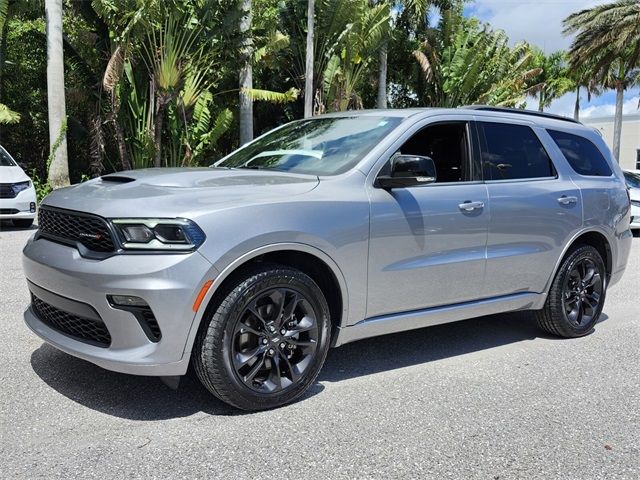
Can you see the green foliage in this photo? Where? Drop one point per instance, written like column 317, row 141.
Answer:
column 7, row 115
column 43, row 187
column 151, row 80
column 464, row 62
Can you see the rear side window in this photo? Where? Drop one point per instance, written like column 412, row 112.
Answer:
column 583, row 156
column 513, row 152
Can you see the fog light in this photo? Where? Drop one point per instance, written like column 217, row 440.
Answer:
column 126, row 301
column 32, row 207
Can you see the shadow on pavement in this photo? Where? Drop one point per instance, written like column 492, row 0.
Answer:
column 7, row 226
column 146, row 398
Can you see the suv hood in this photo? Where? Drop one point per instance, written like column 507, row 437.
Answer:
column 172, row 192
column 12, row 175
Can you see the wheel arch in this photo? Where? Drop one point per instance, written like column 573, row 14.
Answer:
column 596, row 239
column 306, row 258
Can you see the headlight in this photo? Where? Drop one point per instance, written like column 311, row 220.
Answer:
column 20, row 186
column 158, row 233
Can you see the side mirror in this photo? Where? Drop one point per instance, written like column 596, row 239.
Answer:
column 408, row 171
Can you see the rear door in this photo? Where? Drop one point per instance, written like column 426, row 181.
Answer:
column 535, row 208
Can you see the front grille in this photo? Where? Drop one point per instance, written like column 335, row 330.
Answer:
column 9, row 211
column 84, row 329
column 6, row 190
column 90, row 231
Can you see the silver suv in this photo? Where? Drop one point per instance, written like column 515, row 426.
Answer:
column 325, row 231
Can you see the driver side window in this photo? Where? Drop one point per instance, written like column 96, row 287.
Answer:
column 447, row 144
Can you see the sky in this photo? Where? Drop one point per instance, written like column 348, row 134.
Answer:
column 539, row 22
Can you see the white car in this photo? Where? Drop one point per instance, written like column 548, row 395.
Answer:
column 17, row 193
column 632, row 177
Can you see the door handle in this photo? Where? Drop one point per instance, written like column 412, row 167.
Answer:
column 470, row 206
column 564, row 200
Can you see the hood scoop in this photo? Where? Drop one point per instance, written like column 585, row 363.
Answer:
column 117, row 179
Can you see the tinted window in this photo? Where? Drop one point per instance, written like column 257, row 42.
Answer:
column 632, row 179
column 5, row 159
column 583, row 156
column 512, row 152
column 446, row 144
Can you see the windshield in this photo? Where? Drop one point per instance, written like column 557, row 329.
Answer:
column 5, row 159
column 633, row 179
column 322, row 146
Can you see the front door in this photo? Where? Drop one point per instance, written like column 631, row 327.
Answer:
column 427, row 243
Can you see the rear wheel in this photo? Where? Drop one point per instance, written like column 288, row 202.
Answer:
column 264, row 343
column 576, row 296
column 22, row 223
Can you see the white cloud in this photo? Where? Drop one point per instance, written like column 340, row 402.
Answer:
column 565, row 104
column 537, row 22
column 628, row 107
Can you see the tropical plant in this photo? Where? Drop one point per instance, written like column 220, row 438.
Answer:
column 610, row 27
column 554, row 80
column 608, row 38
column 349, row 49
column 465, row 62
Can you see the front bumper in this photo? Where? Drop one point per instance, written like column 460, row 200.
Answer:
column 168, row 283
column 20, row 206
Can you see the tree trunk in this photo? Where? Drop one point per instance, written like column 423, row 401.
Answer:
column 576, row 108
column 382, row 77
column 308, row 75
column 246, row 74
column 541, row 102
column 161, row 104
column 617, row 124
column 59, row 168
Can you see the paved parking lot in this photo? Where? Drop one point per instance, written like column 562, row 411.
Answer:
column 486, row 398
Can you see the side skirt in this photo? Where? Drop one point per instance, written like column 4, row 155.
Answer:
column 399, row 322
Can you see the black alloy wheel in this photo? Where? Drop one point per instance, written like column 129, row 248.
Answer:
column 577, row 294
column 264, row 338
column 582, row 292
column 274, row 340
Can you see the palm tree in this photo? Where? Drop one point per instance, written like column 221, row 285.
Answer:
column 246, row 74
column 553, row 80
column 59, row 167
column 582, row 77
column 610, row 34
column 308, row 75
column 617, row 73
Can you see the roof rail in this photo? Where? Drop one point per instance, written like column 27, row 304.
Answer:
column 489, row 108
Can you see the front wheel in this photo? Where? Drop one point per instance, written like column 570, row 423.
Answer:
column 576, row 296
column 264, row 343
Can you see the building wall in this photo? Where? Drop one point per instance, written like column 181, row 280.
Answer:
column 630, row 141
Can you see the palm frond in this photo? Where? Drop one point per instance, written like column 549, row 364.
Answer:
column 271, row 96
column 8, row 116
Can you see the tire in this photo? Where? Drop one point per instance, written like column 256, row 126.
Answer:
column 573, row 294
column 238, row 357
column 636, row 232
column 22, row 223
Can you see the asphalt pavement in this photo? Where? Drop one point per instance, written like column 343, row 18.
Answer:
column 488, row 398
